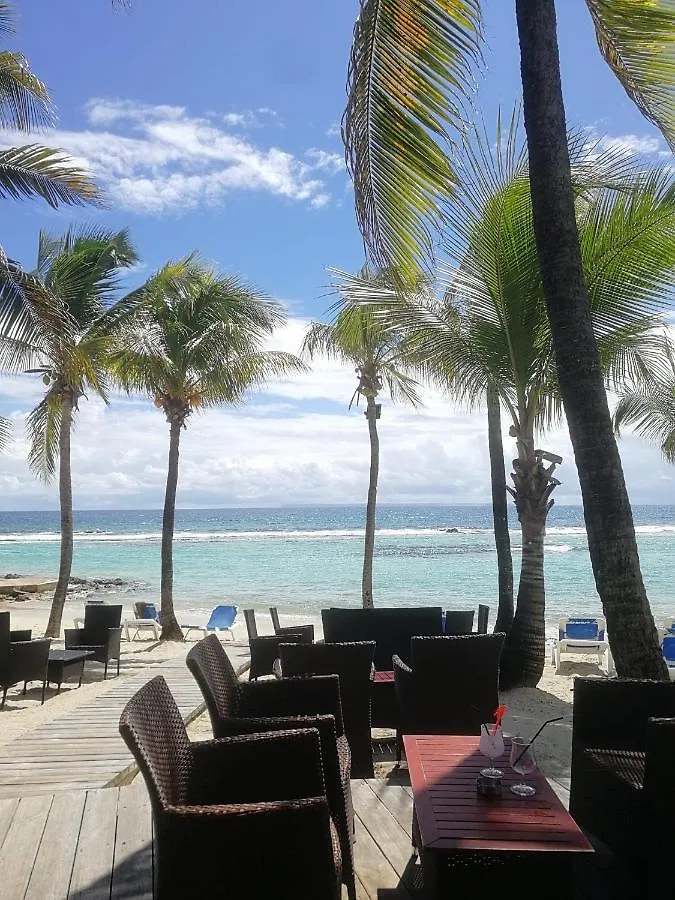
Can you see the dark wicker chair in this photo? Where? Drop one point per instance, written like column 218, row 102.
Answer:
column 623, row 750
column 265, row 648
column 24, row 660
column 101, row 634
column 258, row 801
column 353, row 663
column 483, row 616
column 450, row 686
column 246, row 708
column 17, row 635
column 288, row 629
column 458, row 621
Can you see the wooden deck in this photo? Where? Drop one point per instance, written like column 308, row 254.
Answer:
column 82, row 749
column 97, row 845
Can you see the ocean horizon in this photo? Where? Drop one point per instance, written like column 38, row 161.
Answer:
column 302, row 558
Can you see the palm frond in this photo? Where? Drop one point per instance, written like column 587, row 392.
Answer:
column 651, row 412
column 637, row 40
column 36, row 171
column 7, row 17
column 410, row 74
column 5, row 433
column 43, row 426
column 24, row 100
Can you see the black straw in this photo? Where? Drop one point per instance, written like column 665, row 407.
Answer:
column 527, row 746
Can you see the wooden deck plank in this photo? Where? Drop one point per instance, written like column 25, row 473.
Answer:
column 92, row 870
column 7, row 810
column 21, row 844
column 386, row 832
column 53, row 867
column 374, row 869
column 132, row 865
column 397, row 800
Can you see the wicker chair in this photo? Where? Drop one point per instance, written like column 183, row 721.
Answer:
column 353, row 662
column 23, row 660
column 101, row 634
column 623, row 748
column 265, row 648
column 258, row 799
column 450, row 687
column 458, row 621
column 289, row 629
column 246, row 708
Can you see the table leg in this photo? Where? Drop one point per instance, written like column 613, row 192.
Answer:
column 79, row 683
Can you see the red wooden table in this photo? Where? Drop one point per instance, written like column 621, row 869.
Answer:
column 464, row 837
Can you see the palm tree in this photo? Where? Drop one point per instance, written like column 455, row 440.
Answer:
column 194, row 339
column 410, row 74
column 498, row 333
column 500, row 513
column 651, row 411
column 64, row 332
column 32, row 170
column 378, row 356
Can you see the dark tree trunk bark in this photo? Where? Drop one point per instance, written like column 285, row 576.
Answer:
column 500, row 514
column 524, row 655
column 609, row 520
column 171, row 630
column 369, row 543
column 66, row 505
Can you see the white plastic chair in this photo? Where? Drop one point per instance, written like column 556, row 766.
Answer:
column 579, row 634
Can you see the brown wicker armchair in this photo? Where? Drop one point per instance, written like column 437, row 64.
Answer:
column 353, row 663
column 450, row 686
column 257, row 800
column 21, row 660
column 265, row 648
column 623, row 749
column 101, row 634
column 289, row 629
column 237, row 708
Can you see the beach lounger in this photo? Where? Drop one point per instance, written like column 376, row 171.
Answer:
column 668, row 650
column 145, row 620
column 222, row 619
column 582, row 635
column 258, row 801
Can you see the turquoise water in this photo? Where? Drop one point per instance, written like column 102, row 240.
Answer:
column 302, row 559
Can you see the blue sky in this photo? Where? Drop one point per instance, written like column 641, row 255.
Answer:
column 213, row 126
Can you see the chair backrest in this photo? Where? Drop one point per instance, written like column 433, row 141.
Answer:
column 251, row 627
column 668, row 649
column 390, row 627
column 669, row 625
column 458, row 621
column 216, row 678
column 222, row 617
column 456, row 680
column 153, row 729
column 582, row 628
column 97, row 621
column 275, row 619
column 4, row 641
column 483, row 616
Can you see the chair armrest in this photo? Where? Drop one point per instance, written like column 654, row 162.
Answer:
column 613, row 713
column 400, row 668
column 20, row 635
column 306, row 632
column 314, row 695
column 113, row 643
column 72, row 638
column 278, row 765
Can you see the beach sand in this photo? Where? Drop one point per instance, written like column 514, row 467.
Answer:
column 527, row 707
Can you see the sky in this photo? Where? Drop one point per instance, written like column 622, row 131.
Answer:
column 212, row 129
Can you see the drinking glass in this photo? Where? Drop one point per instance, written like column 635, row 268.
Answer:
column 522, row 762
column 491, row 745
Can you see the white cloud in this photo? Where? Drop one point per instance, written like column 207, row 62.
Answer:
column 160, row 158
column 635, row 144
column 321, row 159
column 333, row 130
column 294, row 442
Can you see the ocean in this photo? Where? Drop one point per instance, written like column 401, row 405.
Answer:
column 301, row 559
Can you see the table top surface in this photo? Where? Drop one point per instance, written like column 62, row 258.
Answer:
column 69, row 655
column 452, row 816
column 383, row 676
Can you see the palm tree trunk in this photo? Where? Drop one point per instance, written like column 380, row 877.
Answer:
column 369, row 545
column 66, row 505
column 500, row 513
column 524, row 655
column 170, row 628
column 609, row 520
